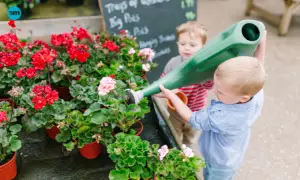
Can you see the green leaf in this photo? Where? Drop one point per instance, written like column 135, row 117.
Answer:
column 98, row 118
column 69, row 146
column 94, row 107
column 15, row 128
column 15, row 145
column 63, row 137
column 83, row 129
column 56, row 76
column 121, row 174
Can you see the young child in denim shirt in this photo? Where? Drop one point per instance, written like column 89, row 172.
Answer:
column 225, row 124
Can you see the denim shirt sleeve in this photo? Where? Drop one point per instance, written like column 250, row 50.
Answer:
column 207, row 120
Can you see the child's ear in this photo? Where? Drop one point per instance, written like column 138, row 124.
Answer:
column 245, row 98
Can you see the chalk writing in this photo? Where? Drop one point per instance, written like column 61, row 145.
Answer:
column 163, row 52
column 166, row 38
column 117, row 7
column 152, row 43
column 131, row 18
column 152, row 2
column 116, row 22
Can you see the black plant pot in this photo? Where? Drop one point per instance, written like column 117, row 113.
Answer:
column 26, row 12
column 75, row 2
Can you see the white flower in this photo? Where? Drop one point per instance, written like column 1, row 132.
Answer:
column 146, row 67
column 131, row 51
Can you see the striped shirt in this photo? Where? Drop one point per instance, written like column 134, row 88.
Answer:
column 196, row 93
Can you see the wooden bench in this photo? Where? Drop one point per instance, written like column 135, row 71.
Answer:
column 282, row 21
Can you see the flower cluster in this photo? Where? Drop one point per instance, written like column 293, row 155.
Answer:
column 11, row 42
column 111, row 46
column 147, row 53
column 106, row 85
column 26, row 72
column 43, row 95
column 3, row 116
column 9, row 58
column 16, row 91
column 43, row 58
column 64, row 39
column 79, row 52
column 80, row 33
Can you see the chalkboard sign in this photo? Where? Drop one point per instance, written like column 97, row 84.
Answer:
column 152, row 22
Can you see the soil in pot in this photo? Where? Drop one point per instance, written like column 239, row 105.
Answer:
column 8, row 168
column 64, row 93
column 138, row 127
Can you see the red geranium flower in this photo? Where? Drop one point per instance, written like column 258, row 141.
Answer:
column 3, row 116
column 110, row 45
column 11, row 23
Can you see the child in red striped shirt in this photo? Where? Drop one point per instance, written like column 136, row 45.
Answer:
column 191, row 37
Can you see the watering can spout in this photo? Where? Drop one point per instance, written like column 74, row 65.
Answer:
column 240, row 39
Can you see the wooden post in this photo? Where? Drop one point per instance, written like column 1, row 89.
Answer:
column 289, row 8
column 249, row 7
column 103, row 25
column 282, row 22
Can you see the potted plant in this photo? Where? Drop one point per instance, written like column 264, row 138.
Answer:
column 11, row 48
column 130, row 154
column 175, row 164
column 85, row 132
column 43, row 107
column 9, row 140
column 113, row 107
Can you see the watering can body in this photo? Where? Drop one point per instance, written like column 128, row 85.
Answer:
column 240, row 39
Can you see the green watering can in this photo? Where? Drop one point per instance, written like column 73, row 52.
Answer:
column 240, row 39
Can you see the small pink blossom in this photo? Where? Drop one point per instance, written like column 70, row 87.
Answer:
column 60, row 64
column 131, row 51
column 146, row 67
column 16, row 91
column 147, row 53
column 106, row 85
column 163, row 151
column 187, row 151
column 105, row 124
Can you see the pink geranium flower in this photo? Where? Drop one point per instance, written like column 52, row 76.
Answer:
column 148, row 53
column 163, row 151
column 106, row 85
column 187, row 151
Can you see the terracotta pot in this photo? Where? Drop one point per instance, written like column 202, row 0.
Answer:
column 8, row 100
column 52, row 132
column 64, row 93
column 183, row 98
column 138, row 127
column 8, row 170
column 91, row 150
column 144, row 75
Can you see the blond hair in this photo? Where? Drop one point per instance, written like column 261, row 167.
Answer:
column 193, row 28
column 245, row 75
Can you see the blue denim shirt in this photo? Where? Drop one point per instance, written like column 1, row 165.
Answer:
column 226, row 130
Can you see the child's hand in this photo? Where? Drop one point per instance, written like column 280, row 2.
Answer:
column 166, row 92
column 160, row 95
